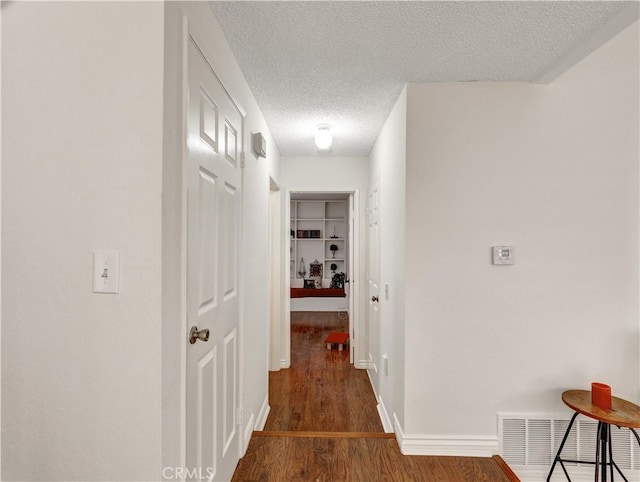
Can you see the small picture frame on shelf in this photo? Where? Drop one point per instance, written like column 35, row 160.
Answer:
column 310, row 283
column 315, row 269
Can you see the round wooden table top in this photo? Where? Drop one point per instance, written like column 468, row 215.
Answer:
column 622, row 413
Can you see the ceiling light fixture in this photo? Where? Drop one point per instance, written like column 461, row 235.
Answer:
column 323, row 137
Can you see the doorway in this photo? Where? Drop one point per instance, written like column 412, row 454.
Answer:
column 319, row 248
column 321, row 389
column 321, row 230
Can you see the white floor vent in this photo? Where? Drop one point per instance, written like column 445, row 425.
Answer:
column 532, row 440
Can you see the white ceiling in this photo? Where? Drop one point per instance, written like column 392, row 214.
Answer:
column 345, row 62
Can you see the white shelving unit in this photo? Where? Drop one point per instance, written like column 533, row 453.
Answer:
column 316, row 226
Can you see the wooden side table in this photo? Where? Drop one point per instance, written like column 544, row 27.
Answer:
column 621, row 414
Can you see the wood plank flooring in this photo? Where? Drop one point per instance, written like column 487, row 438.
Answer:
column 324, row 425
column 321, row 391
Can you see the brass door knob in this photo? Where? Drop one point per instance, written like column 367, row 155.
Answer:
column 195, row 335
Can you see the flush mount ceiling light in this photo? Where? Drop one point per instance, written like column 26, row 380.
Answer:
column 323, row 137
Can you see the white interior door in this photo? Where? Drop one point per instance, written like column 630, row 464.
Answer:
column 373, row 282
column 214, row 136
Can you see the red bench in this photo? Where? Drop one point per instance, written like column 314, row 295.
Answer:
column 317, row 293
column 340, row 339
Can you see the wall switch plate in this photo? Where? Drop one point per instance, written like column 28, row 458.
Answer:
column 503, row 255
column 106, row 272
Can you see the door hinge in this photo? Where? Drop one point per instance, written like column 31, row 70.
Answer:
column 242, row 160
column 239, row 416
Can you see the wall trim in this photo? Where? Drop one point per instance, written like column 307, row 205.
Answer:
column 261, row 420
column 384, row 416
column 459, row 445
column 455, row 445
column 397, row 428
column 361, row 364
column 246, row 438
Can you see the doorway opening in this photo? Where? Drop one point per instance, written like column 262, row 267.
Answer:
column 322, row 388
column 321, row 257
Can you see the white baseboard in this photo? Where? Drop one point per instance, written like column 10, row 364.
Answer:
column 264, row 413
column 248, row 431
column 455, row 445
column 384, row 416
column 255, row 423
column 361, row 364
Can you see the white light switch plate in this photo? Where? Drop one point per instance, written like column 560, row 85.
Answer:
column 503, row 255
column 106, row 272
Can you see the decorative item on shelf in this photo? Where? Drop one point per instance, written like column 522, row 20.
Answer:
column 333, row 267
column 315, row 233
column 318, row 282
column 315, row 269
column 309, row 283
column 293, row 234
column 302, row 271
column 338, row 280
column 335, row 236
column 333, row 248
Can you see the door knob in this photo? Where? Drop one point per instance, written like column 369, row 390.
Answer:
column 195, row 335
column 374, row 299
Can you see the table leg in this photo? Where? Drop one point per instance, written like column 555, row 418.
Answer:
column 598, row 434
column 611, row 462
column 603, row 430
column 557, row 458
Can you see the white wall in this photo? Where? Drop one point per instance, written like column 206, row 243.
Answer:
column 254, row 329
column 82, row 150
column 552, row 170
column 388, row 166
column 333, row 174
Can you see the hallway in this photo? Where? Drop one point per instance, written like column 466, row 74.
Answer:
column 321, row 391
column 324, row 425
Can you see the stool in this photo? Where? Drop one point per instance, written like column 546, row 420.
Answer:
column 340, row 339
column 621, row 414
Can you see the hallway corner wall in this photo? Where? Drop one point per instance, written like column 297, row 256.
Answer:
column 551, row 170
column 388, row 165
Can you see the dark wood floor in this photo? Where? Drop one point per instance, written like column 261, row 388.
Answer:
column 321, row 391
column 324, row 424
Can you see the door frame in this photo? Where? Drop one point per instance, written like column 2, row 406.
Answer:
column 276, row 299
column 280, row 341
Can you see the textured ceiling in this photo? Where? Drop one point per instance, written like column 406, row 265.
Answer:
column 345, row 63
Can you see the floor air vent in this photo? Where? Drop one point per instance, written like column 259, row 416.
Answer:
column 533, row 440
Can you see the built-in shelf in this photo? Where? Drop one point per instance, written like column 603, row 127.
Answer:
column 315, row 227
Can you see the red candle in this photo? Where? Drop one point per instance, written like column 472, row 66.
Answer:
column 601, row 395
